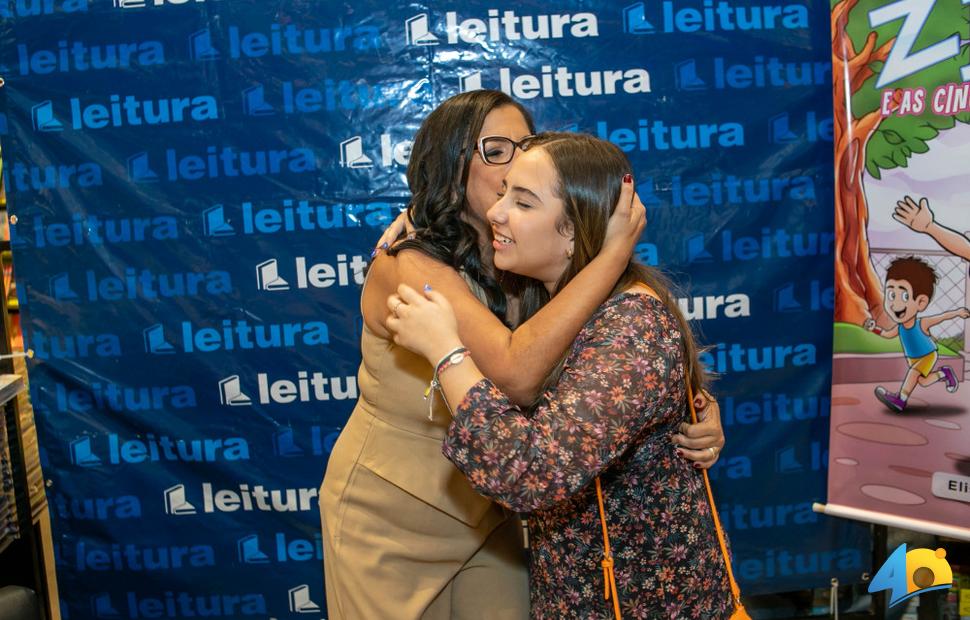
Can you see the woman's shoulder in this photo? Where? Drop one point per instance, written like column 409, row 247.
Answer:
column 409, row 254
column 636, row 299
column 632, row 309
column 639, row 288
column 410, row 264
column 387, row 271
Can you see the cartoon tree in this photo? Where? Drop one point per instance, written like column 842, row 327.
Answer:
column 865, row 141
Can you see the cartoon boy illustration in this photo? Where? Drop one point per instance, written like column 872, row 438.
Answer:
column 909, row 288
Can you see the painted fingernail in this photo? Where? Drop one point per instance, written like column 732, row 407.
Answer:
column 427, row 288
column 374, row 253
column 385, row 245
column 628, row 178
column 680, row 453
column 697, row 465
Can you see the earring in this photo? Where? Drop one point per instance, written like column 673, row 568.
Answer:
column 569, row 253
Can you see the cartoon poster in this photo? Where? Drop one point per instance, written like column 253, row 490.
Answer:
column 900, row 430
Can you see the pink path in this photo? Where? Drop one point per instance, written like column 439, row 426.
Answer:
column 884, row 461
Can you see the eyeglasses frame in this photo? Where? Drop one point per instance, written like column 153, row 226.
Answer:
column 521, row 144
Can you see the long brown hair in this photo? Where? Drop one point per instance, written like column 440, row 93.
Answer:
column 438, row 177
column 590, row 174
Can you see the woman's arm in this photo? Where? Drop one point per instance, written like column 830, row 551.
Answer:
column 427, row 325
column 601, row 405
column 518, row 361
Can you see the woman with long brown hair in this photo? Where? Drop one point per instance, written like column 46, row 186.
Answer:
column 605, row 415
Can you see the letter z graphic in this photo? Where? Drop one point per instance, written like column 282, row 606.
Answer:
column 901, row 62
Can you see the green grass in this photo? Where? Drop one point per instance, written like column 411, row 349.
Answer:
column 853, row 339
column 954, row 343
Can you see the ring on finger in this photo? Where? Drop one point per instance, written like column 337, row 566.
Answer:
column 713, row 450
column 396, row 306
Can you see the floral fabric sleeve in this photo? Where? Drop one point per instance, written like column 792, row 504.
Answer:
column 619, row 370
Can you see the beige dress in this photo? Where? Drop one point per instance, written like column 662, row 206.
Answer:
column 404, row 534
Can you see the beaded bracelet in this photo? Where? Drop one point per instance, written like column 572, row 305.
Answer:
column 453, row 358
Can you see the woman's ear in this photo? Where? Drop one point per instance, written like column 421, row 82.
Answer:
column 567, row 230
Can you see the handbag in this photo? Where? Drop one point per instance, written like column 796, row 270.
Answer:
column 609, row 577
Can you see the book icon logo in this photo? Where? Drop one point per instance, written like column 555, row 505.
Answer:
column 139, row 169
column 635, row 19
column 200, row 45
column 82, row 454
column 785, row 300
column 231, row 394
column 284, row 443
column 60, row 288
column 214, row 222
column 176, row 503
column 352, row 154
column 300, row 602
column 418, row 32
column 695, row 249
column 780, row 130
column 155, row 341
column 268, row 277
column 786, row 461
column 470, row 82
column 103, row 607
column 685, row 75
column 42, row 116
column 254, row 102
column 248, row 551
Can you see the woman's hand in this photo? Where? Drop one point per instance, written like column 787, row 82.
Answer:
column 425, row 324
column 702, row 442
column 626, row 224
column 401, row 224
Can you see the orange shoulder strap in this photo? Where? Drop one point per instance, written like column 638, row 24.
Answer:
column 609, row 576
column 735, row 590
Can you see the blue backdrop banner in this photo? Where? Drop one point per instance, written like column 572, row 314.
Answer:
column 198, row 185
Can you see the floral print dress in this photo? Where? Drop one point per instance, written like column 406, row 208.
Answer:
column 619, row 399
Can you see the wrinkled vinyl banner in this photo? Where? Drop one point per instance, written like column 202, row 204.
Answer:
column 198, row 185
column 902, row 94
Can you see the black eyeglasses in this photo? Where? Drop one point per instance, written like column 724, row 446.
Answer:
column 499, row 150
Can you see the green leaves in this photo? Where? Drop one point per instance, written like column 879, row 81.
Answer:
column 898, row 138
column 892, row 137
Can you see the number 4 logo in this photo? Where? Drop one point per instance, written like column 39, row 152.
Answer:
column 907, row 574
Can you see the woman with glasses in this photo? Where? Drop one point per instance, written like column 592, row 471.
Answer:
column 404, row 534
